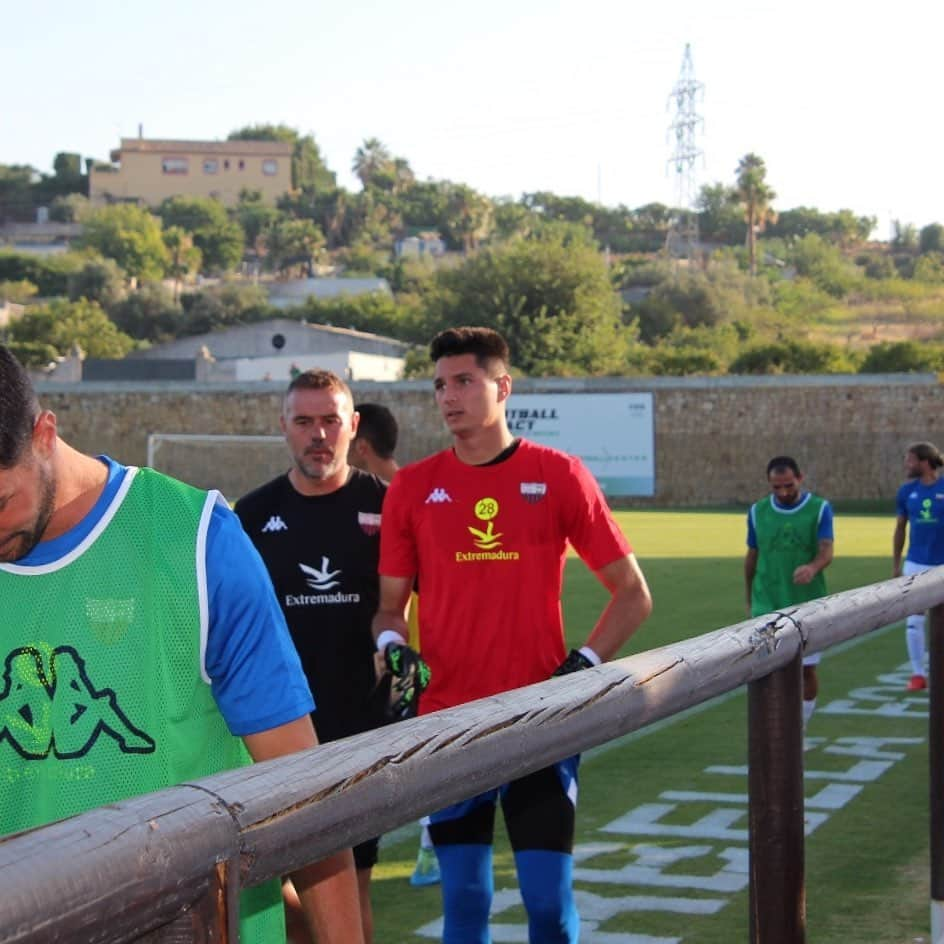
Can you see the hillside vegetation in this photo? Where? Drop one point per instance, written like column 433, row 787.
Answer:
column 730, row 286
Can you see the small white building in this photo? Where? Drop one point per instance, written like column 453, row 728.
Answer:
column 271, row 350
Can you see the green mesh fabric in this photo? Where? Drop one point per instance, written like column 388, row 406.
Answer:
column 102, row 694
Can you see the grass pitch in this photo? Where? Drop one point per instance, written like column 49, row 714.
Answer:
column 866, row 865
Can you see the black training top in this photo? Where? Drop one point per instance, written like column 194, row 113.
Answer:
column 321, row 553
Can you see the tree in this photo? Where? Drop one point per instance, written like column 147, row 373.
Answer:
column 929, row 267
column 904, row 235
column 931, row 238
column 292, row 243
column 824, row 265
column 755, row 196
column 129, row 235
column 149, row 314
column 50, row 274
column 18, row 292
column 67, row 178
column 513, row 219
column 62, row 324
column 550, row 296
column 99, row 280
column 469, row 217
column 16, row 192
column 69, row 208
column 185, row 257
column 719, row 215
column 791, row 357
column 903, row 357
column 255, row 217
column 309, row 171
column 371, row 159
column 218, row 238
column 226, row 304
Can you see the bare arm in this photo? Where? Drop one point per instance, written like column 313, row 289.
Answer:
column 630, row 603
column 750, row 568
column 394, row 605
column 824, row 556
column 898, row 544
column 327, row 889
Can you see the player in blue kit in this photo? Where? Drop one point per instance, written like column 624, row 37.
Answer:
column 919, row 507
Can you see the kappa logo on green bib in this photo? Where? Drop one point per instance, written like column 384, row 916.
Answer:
column 49, row 706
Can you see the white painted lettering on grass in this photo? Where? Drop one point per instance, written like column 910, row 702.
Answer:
column 716, row 839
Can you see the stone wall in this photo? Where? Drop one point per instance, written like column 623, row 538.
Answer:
column 713, row 435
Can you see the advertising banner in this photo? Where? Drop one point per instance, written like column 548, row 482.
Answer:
column 611, row 432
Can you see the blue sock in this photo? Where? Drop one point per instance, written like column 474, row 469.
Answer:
column 467, row 886
column 546, row 882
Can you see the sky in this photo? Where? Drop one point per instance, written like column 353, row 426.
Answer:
column 840, row 99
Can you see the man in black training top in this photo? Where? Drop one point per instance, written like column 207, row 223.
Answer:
column 317, row 528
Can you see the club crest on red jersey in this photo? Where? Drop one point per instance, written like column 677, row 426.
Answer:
column 533, row 492
column 369, row 522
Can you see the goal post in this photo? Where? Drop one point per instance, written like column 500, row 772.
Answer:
column 233, row 464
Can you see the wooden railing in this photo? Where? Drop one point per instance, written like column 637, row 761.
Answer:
column 168, row 866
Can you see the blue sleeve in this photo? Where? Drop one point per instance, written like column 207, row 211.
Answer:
column 256, row 675
column 901, row 501
column 751, row 533
column 825, row 530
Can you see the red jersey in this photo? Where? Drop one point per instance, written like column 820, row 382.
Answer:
column 487, row 544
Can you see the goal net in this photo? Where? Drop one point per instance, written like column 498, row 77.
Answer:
column 233, row 464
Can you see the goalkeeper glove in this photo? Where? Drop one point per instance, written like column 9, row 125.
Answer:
column 575, row 662
column 410, row 676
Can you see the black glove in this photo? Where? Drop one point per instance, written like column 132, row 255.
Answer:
column 576, row 661
column 410, row 676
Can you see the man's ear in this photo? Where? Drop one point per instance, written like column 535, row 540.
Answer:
column 504, row 386
column 45, row 433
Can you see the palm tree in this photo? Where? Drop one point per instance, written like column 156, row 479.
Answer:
column 371, row 158
column 755, row 196
column 184, row 256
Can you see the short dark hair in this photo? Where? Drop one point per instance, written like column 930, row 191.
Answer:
column 18, row 409
column 927, row 452
column 783, row 464
column 319, row 380
column 379, row 427
column 487, row 345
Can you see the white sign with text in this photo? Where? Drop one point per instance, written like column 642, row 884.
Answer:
column 611, row 432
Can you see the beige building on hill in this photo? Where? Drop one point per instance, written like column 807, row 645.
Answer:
column 149, row 171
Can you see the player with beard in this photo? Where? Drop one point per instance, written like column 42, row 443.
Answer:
column 124, row 580
column 317, row 528
column 919, row 506
column 789, row 545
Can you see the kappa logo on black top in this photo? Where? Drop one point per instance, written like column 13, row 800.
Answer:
column 50, row 706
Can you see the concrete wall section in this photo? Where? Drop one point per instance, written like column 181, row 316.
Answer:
column 713, row 436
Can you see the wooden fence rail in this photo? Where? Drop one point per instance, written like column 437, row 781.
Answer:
column 168, row 865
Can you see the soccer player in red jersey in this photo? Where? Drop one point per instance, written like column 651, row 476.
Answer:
column 484, row 526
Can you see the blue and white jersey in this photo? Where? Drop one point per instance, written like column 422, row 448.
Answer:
column 923, row 507
column 255, row 673
column 824, row 528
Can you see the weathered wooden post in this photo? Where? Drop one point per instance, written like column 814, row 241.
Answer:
column 775, row 786
column 936, row 760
